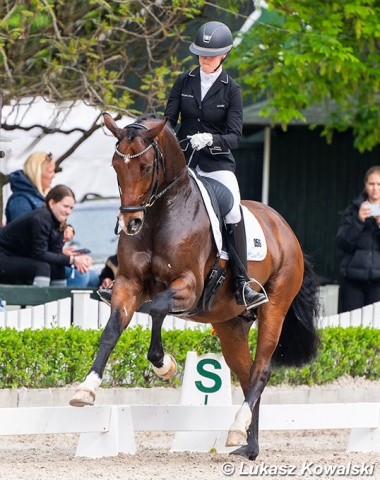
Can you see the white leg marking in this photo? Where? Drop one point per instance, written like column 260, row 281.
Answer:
column 91, row 382
column 243, row 419
column 165, row 367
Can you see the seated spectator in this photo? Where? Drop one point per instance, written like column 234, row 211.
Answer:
column 109, row 272
column 107, row 277
column 73, row 277
column 31, row 245
column 30, row 185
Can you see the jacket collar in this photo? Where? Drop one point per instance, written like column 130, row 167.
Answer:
column 216, row 86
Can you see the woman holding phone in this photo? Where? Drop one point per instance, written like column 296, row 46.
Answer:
column 359, row 238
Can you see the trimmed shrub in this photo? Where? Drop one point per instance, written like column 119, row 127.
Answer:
column 56, row 357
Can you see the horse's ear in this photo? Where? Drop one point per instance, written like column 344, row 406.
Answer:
column 153, row 133
column 110, row 123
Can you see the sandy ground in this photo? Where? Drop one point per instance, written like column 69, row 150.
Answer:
column 302, row 454
column 296, row 454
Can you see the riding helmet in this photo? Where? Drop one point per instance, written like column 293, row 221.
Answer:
column 212, row 39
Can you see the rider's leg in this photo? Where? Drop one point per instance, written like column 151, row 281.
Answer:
column 244, row 293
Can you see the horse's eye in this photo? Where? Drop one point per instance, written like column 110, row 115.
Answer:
column 148, row 169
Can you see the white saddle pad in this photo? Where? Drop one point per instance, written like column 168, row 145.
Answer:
column 256, row 242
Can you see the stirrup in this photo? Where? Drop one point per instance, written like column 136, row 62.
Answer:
column 263, row 298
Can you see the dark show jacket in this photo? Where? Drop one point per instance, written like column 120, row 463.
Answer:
column 34, row 235
column 360, row 242
column 219, row 113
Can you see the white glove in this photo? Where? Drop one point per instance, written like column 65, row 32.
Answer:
column 200, row 140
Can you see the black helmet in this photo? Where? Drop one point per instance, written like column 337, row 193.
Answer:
column 212, row 39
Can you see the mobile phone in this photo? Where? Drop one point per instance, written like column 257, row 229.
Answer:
column 375, row 209
column 85, row 251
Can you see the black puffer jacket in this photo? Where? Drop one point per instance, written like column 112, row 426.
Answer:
column 35, row 235
column 360, row 243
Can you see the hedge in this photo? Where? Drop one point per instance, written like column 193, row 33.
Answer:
column 57, row 357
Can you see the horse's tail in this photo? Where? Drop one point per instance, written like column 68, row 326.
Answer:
column 299, row 339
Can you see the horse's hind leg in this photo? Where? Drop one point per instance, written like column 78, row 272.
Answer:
column 233, row 337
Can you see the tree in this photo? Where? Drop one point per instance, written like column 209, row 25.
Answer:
column 323, row 51
column 119, row 55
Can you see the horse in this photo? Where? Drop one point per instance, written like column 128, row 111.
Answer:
column 166, row 249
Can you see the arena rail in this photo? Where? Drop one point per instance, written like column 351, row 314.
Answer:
column 81, row 309
column 109, row 430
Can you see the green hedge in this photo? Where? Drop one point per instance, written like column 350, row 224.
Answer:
column 57, row 357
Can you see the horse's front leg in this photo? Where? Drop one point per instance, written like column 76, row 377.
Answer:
column 118, row 321
column 164, row 365
column 178, row 297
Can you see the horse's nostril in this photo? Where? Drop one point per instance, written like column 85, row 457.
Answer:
column 134, row 225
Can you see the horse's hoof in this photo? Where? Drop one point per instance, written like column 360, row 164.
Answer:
column 245, row 452
column 236, row 438
column 169, row 368
column 82, row 397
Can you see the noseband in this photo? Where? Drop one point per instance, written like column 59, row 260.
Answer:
column 153, row 194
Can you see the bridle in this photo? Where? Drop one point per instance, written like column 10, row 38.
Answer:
column 153, row 193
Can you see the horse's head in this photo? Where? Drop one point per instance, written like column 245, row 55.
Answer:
column 140, row 167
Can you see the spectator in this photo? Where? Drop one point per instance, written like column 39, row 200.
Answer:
column 30, row 185
column 109, row 272
column 107, row 277
column 31, row 246
column 73, row 277
column 359, row 238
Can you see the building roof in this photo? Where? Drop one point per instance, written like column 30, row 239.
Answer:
column 314, row 115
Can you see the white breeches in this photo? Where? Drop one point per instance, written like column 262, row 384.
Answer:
column 228, row 179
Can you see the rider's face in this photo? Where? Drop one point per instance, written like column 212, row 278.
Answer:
column 209, row 64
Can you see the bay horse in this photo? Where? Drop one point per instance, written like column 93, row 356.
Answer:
column 165, row 251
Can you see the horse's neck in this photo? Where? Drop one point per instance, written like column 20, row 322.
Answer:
column 174, row 159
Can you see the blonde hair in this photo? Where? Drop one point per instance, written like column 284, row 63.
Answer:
column 33, row 168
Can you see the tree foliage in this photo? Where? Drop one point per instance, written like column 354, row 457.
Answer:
column 319, row 52
column 119, row 54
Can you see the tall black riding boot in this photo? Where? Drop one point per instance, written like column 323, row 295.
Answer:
column 237, row 252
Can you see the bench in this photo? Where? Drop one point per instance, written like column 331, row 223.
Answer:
column 24, row 295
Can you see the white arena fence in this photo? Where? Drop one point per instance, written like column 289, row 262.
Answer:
column 87, row 313
column 110, row 429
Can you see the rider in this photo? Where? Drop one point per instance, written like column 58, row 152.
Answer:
column 210, row 104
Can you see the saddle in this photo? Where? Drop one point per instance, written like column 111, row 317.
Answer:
column 222, row 202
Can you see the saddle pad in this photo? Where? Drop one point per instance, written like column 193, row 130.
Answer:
column 256, row 242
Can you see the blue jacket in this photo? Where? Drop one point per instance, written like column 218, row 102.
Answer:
column 25, row 196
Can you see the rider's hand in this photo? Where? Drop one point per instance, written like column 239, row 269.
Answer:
column 200, row 140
